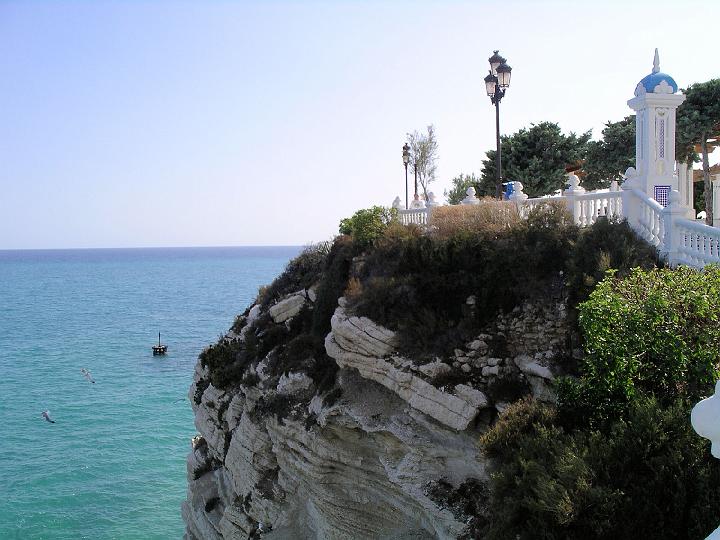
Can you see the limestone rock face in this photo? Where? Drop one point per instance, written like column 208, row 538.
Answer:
column 358, row 343
column 279, row 456
column 292, row 383
column 288, row 307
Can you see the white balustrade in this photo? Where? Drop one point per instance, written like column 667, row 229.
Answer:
column 679, row 240
column 645, row 217
column 414, row 216
column 590, row 206
column 524, row 206
column 699, row 244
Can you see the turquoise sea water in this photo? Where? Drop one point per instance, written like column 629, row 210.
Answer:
column 113, row 464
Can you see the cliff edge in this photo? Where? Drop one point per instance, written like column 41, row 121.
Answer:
column 388, row 448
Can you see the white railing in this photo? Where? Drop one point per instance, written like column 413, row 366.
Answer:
column 589, row 206
column 645, row 216
column 414, row 216
column 679, row 240
column 698, row 244
column 524, row 206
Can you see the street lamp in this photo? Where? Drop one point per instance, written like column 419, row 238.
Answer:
column 406, row 160
column 495, row 83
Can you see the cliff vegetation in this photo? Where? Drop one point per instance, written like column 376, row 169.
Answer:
column 489, row 377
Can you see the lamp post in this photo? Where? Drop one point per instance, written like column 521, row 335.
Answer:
column 406, row 160
column 495, row 83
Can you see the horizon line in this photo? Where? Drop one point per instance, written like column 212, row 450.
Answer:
column 160, row 247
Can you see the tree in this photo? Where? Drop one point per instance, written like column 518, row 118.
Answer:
column 698, row 120
column 460, row 185
column 535, row 156
column 608, row 158
column 423, row 157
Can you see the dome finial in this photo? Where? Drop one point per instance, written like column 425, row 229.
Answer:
column 656, row 62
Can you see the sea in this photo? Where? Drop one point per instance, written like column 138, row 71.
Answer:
column 112, row 465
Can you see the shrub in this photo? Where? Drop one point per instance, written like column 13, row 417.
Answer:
column 489, row 218
column 606, row 245
column 655, row 331
column 226, row 361
column 419, row 285
column 300, row 273
column 397, row 232
column 648, row 474
column 520, row 419
column 334, row 281
column 368, row 224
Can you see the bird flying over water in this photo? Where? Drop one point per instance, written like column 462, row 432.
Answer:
column 87, row 375
column 46, row 416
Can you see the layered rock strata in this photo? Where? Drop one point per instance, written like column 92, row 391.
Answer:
column 360, row 460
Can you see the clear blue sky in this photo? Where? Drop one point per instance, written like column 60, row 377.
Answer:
column 163, row 123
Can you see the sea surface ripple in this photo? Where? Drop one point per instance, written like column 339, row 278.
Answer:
column 113, row 464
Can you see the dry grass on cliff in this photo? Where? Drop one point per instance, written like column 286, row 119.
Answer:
column 489, row 217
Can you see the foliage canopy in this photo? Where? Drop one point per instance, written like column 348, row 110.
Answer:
column 460, row 185
column 698, row 119
column 367, row 224
column 610, row 157
column 537, row 157
column 654, row 332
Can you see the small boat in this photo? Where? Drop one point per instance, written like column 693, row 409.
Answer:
column 159, row 349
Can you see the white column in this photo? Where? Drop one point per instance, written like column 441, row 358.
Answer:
column 685, row 188
column 629, row 209
column 573, row 190
column 670, row 246
column 655, row 103
column 716, row 200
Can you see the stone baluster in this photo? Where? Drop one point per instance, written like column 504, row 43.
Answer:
column 705, row 419
column 573, row 191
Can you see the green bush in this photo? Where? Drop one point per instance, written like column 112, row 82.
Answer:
column 419, row 285
column 649, row 474
column 300, row 273
column 368, row 224
column 334, row 280
column 608, row 244
column 657, row 331
column 226, row 361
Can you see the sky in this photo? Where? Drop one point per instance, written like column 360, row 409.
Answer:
column 199, row 123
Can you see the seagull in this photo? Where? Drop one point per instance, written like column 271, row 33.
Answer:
column 87, row 375
column 46, row 416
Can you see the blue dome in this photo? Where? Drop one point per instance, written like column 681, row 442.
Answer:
column 652, row 80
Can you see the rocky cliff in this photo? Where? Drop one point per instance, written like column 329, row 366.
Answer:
column 387, row 449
